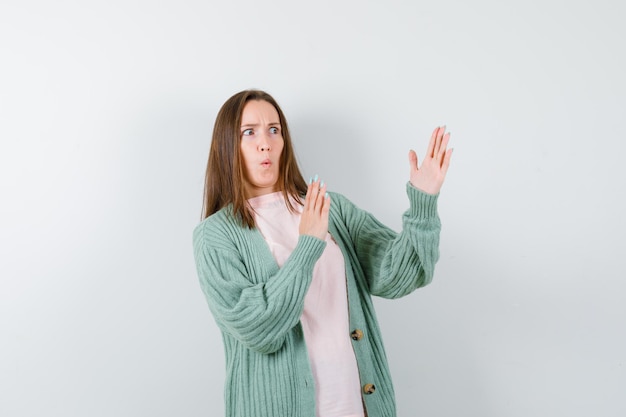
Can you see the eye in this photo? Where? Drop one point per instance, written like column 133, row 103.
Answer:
column 247, row 132
column 274, row 130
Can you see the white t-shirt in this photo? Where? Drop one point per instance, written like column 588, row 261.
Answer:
column 325, row 319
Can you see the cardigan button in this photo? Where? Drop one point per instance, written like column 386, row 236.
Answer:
column 369, row 389
column 356, row 335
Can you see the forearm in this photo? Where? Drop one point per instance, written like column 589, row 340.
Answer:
column 397, row 264
column 260, row 315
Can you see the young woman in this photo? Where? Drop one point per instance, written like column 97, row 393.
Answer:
column 288, row 270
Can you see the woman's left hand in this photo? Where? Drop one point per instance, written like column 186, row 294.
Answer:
column 430, row 175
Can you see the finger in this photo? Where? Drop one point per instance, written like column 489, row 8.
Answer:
column 443, row 148
column 413, row 162
column 315, row 188
column 446, row 162
column 319, row 198
column 326, row 206
column 312, row 192
column 436, row 144
column 437, row 147
column 307, row 197
column 431, row 144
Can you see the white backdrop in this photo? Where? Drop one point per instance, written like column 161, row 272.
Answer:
column 106, row 111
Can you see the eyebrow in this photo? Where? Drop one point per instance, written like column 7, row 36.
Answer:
column 257, row 124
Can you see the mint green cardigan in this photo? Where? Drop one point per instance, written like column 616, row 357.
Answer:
column 258, row 305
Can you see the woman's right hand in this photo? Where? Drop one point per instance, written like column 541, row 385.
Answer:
column 314, row 221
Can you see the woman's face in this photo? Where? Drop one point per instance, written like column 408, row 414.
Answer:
column 261, row 147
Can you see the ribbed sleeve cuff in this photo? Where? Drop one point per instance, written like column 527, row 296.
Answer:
column 308, row 250
column 422, row 205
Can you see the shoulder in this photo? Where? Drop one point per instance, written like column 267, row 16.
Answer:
column 218, row 230
column 343, row 210
column 340, row 201
column 344, row 206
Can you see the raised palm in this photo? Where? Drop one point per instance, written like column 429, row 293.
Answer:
column 429, row 176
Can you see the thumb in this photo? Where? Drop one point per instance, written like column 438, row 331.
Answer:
column 413, row 160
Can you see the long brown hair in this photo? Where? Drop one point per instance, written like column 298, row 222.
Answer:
column 224, row 180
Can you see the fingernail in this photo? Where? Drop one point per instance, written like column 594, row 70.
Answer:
column 326, row 195
column 310, row 180
column 322, row 184
column 315, row 178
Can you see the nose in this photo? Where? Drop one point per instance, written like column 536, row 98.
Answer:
column 264, row 144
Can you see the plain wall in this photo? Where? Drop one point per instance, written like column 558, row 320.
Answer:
column 106, row 112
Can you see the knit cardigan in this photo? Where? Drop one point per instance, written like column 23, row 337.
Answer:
column 258, row 305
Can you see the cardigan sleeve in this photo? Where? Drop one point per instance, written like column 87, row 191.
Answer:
column 395, row 264
column 260, row 315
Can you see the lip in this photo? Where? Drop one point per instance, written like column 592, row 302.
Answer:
column 266, row 163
